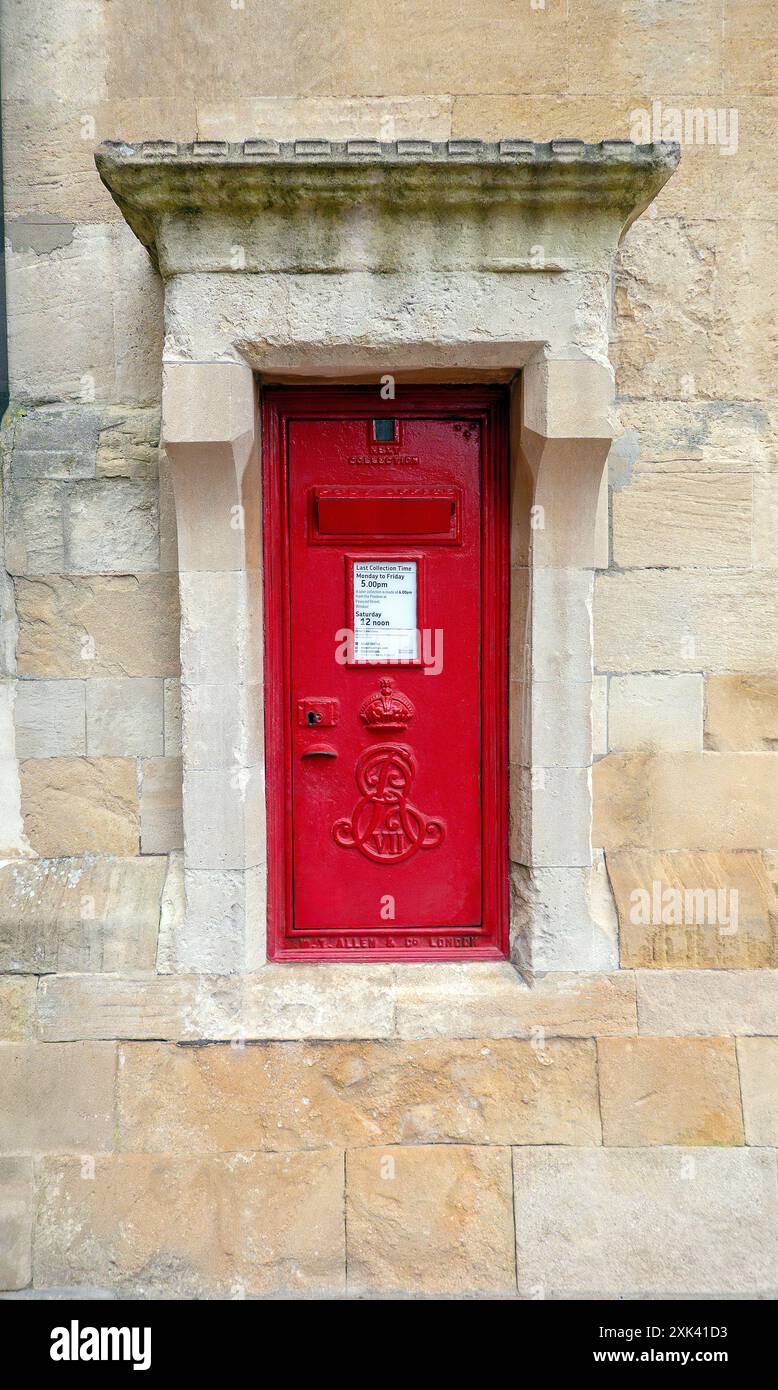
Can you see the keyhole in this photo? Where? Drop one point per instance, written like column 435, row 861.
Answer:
column 313, row 717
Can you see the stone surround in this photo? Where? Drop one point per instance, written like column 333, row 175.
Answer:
column 299, row 261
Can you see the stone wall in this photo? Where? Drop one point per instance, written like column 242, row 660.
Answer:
column 551, row 1094
column 601, row 1156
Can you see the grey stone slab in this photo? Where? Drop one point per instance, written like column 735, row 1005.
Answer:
column 57, row 1097
column 124, row 717
column 34, row 519
column 91, row 913
column 16, row 1210
column 646, row 1222
column 50, row 718
column 712, row 1002
column 111, row 527
column 56, row 443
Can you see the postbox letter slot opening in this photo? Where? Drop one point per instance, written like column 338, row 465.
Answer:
column 373, row 515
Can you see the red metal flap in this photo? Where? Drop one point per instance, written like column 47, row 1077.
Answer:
column 387, row 515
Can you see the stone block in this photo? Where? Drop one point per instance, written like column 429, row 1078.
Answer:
column 563, row 919
column 276, row 1002
column 7, row 731
column 223, row 930
column 115, row 626
column 741, row 712
column 682, row 620
column 683, row 519
column 55, row 442
column 655, row 712
column 80, row 805
column 599, row 716
column 72, row 1007
column 57, row 1097
column 210, row 425
column 765, row 537
column 746, row 302
column 552, row 827
column 320, row 1001
column 188, row 1226
column 636, row 49
column 128, row 445
column 326, row 117
column 758, row 1060
column 86, row 294
column 333, row 312
column 224, row 818
column 171, row 914
column 111, row 527
column 87, row 914
column 665, row 308
column 64, row 56
column 16, row 1217
column 50, row 718
column 34, row 538
column 124, row 717
column 161, row 823
column 553, row 723
column 218, row 640
column 669, row 1091
column 17, row 1007
column 717, row 801
column 645, row 1223
column 700, row 436
column 561, row 624
column 223, row 725
column 488, row 116
column 491, row 1001
column 743, row 49
column 61, row 321
column 8, row 626
column 694, row 908
column 308, row 54
column 138, row 321
column 291, row 1096
column 12, row 838
column 741, row 1003
column 430, row 1220
column 172, row 705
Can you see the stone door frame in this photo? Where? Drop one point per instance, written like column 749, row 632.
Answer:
column 259, row 288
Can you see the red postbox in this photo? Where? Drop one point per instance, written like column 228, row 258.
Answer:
column 386, row 566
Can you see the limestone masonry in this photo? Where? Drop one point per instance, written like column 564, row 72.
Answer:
column 201, row 200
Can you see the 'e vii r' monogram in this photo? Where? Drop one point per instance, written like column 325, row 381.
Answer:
column 384, row 825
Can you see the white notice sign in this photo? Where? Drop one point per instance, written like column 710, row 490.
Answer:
column 385, row 614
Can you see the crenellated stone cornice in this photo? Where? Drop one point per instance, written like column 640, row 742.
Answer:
column 316, row 205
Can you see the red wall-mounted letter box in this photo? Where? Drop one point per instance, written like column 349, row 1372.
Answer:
column 386, row 673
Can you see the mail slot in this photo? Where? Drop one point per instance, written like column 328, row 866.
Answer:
column 368, row 516
column 386, row 674
column 364, row 516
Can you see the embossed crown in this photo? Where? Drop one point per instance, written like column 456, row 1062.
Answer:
column 386, row 708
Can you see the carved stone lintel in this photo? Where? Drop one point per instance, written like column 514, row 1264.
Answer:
column 421, row 203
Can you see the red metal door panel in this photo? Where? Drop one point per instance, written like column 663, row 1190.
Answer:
column 387, row 836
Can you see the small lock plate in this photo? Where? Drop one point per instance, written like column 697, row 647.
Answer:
column 318, row 713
